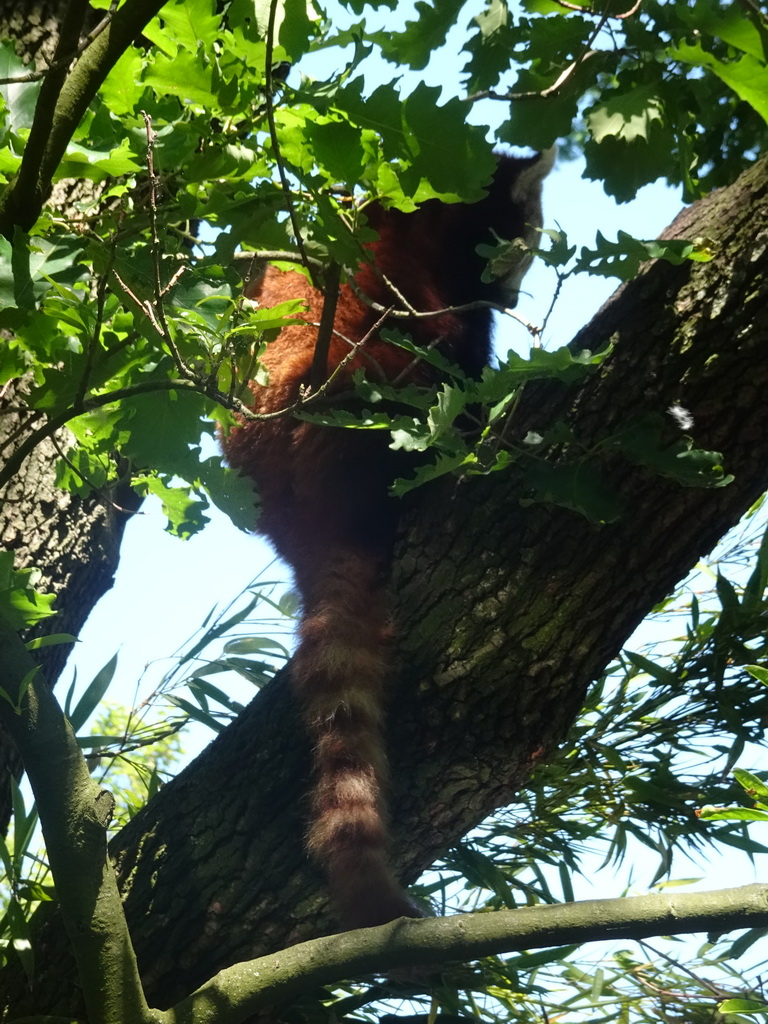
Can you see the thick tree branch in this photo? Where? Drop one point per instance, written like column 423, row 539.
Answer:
column 275, row 980
column 22, row 202
column 45, row 110
column 74, row 814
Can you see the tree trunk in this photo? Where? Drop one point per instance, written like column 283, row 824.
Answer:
column 505, row 612
column 73, row 542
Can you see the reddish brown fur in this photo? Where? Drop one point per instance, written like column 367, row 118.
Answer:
column 325, row 505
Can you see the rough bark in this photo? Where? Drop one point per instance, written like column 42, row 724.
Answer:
column 33, row 26
column 74, row 542
column 506, row 613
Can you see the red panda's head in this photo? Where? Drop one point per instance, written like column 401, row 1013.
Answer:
column 431, row 254
column 512, row 209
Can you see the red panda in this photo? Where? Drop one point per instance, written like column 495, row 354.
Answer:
column 326, row 509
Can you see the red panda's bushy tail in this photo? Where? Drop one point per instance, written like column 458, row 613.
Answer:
column 340, row 671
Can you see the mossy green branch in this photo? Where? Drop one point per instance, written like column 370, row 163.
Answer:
column 45, row 110
column 74, row 814
column 248, row 988
column 22, row 202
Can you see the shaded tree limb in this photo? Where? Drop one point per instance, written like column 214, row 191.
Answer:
column 23, row 200
column 45, row 110
column 247, row 988
column 74, row 815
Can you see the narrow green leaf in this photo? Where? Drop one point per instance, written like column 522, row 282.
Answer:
column 754, row 786
column 93, row 694
column 50, row 641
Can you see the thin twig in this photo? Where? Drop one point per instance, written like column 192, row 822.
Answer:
column 193, row 383
column 355, row 347
column 572, row 7
column 144, row 307
column 510, row 97
column 395, row 291
column 268, row 102
column 313, row 396
column 68, row 462
column 558, row 287
column 283, row 255
column 628, row 14
column 14, row 462
column 413, row 314
column 156, row 310
column 175, row 278
column 716, row 991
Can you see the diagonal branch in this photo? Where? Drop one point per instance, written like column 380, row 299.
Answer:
column 74, row 814
column 240, row 991
column 22, row 202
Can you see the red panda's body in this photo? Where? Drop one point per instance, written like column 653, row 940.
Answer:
column 325, row 505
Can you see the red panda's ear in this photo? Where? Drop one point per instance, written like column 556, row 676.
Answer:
column 528, row 182
column 254, row 278
column 374, row 213
column 518, row 196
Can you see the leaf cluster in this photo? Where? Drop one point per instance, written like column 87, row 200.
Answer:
column 128, row 325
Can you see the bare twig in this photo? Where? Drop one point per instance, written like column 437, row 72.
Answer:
column 509, row 97
column 413, row 314
column 313, row 395
column 175, row 278
column 628, row 14
column 156, row 310
column 568, row 6
column 11, row 467
column 716, row 990
column 558, row 287
column 395, row 291
column 145, row 307
column 572, row 7
column 268, row 103
column 355, row 347
column 283, row 255
column 193, row 383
